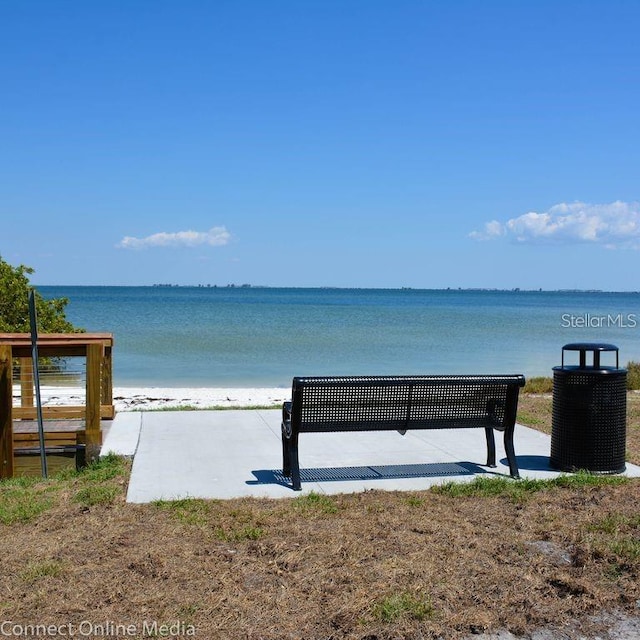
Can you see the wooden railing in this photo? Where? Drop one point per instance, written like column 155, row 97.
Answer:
column 15, row 348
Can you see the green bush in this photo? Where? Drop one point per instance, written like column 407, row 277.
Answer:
column 633, row 375
column 545, row 385
column 539, row 385
column 14, row 304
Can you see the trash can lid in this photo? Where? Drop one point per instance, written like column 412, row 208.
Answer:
column 593, row 347
column 590, row 346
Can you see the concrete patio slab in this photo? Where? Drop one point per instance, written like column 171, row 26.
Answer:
column 230, row 454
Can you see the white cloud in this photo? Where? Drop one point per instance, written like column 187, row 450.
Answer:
column 615, row 225
column 493, row 229
column 215, row 237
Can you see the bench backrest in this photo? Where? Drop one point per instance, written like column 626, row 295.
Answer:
column 403, row 402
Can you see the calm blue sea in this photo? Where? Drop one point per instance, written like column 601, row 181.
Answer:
column 243, row 337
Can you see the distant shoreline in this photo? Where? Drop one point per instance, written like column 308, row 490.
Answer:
column 331, row 288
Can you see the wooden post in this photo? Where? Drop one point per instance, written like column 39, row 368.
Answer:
column 26, row 382
column 6, row 421
column 92, row 420
column 107, row 378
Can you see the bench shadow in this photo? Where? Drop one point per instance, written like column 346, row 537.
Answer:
column 373, row 472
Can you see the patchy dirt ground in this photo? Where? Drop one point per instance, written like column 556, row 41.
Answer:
column 553, row 564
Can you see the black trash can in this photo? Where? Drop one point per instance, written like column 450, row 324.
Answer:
column 589, row 423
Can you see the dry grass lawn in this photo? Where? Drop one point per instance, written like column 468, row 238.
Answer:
column 367, row 566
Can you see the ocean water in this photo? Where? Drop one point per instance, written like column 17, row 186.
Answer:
column 251, row 336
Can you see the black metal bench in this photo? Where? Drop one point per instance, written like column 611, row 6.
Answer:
column 384, row 403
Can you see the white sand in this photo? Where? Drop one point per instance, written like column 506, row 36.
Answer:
column 127, row 398
column 139, row 398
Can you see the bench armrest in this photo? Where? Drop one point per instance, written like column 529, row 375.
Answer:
column 286, row 419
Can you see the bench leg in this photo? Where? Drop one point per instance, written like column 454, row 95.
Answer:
column 295, row 465
column 290, row 464
column 293, row 468
column 491, row 447
column 81, row 458
column 511, row 453
column 286, row 458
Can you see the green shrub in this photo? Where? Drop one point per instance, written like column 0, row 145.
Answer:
column 14, row 304
column 633, row 375
column 539, row 385
column 543, row 384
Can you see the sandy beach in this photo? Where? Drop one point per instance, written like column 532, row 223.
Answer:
column 150, row 398
column 130, row 398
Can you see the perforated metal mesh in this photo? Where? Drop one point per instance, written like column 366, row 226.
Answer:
column 369, row 403
column 589, row 420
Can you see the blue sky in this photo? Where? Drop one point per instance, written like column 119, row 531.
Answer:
column 365, row 143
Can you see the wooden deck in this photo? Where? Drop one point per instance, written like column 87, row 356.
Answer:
column 67, row 428
column 63, row 438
